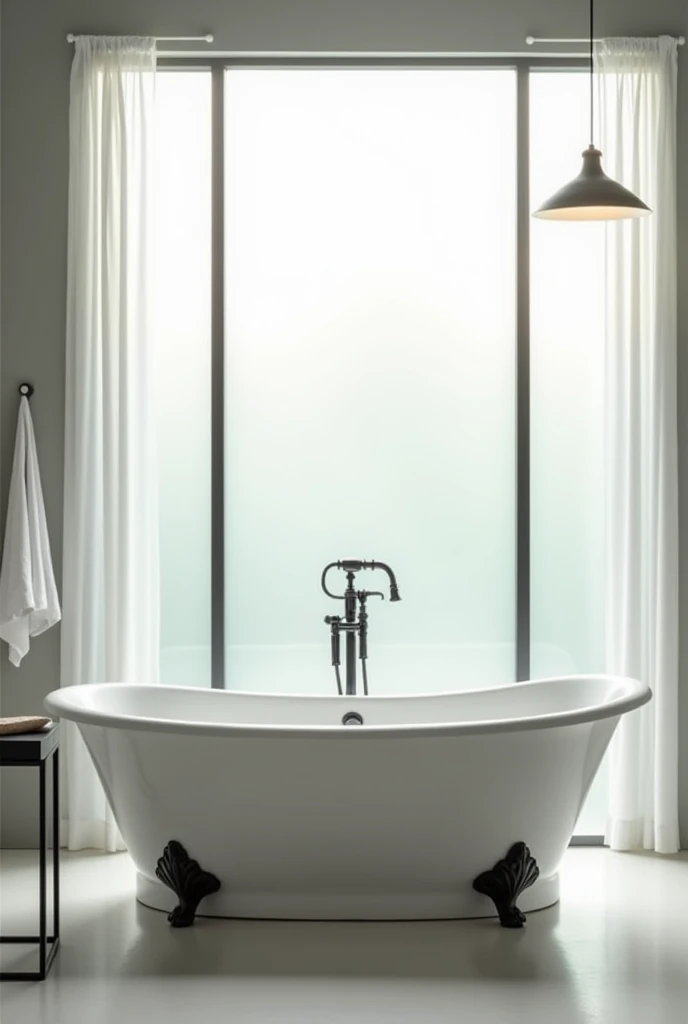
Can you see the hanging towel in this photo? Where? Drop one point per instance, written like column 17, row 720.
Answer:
column 28, row 596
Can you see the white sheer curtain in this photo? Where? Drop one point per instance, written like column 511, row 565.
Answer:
column 637, row 80
column 111, row 590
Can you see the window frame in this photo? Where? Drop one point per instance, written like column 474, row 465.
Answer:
column 522, row 66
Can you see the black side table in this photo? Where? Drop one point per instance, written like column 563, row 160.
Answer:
column 36, row 749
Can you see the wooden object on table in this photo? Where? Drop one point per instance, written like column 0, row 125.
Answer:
column 22, row 724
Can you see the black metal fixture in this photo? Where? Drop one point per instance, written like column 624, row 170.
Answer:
column 351, row 625
column 187, row 879
column 592, row 195
column 506, row 881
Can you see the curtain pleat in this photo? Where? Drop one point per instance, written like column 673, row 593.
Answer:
column 637, row 104
column 110, row 629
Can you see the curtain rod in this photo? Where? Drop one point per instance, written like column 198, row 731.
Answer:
column 530, row 40
column 207, row 38
column 210, row 38
column 361, row 55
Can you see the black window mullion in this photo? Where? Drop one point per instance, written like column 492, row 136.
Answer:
column 217, row 405
column 522, row 373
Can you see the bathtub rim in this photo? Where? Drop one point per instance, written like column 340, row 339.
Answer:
column 62, row 704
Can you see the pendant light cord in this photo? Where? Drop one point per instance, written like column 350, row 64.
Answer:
column 592, row 78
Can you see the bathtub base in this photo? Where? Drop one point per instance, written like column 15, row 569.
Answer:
column 335, row 905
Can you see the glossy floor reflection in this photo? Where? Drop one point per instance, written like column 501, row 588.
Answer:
column 614, row 951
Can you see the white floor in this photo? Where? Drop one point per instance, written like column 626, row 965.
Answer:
column 614, row 951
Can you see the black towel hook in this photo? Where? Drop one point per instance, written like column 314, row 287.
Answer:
column 26, row 390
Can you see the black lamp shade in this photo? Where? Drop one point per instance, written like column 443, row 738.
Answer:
column 592, row 196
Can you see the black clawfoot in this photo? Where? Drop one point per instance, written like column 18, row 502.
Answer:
column 506, row 881
column 187, row 879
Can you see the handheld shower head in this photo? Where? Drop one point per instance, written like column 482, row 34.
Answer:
column 393, row 588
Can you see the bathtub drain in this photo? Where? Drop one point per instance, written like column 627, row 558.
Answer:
column 352, row 718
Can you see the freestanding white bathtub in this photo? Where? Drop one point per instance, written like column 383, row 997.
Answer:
column 300, row 816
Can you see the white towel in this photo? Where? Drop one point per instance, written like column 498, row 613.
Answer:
column 28, row 596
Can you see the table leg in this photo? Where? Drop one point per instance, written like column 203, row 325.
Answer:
column 56, row 845
column 43, row 951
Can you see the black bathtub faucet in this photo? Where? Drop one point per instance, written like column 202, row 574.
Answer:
column 355, row 619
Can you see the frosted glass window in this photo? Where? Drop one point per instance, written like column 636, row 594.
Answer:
column 567, row 381
column 370, row 370
column 182, row 282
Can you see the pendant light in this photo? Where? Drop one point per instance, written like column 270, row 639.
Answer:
column 592, row 195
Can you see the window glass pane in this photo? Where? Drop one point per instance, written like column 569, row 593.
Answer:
column 182, row 282
column 567, row 380
column 370, row 370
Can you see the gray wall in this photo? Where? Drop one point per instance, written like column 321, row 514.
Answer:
column 35, row 64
